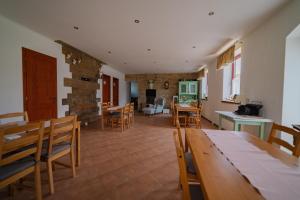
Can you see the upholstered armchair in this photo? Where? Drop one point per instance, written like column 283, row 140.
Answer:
column 158, row 106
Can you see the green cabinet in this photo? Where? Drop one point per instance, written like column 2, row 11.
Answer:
column 188, row 91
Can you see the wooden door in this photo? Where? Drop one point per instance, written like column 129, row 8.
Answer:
column 39, row 85
column 116, row 91
column 106, row 88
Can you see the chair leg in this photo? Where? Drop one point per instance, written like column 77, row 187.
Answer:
column 50, row 176
column 37, row 181
column 72, row 161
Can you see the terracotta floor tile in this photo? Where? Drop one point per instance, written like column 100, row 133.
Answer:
column 139, row 163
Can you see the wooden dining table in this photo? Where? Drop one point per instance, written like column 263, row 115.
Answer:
column 219, row 178
column 109, row 110
column 47, row 131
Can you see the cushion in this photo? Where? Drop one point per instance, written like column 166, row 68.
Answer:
column 9, row 170
column 196, row 193
column 55, row 149
column 189, row 163
column 115, row 114
column 149, row 110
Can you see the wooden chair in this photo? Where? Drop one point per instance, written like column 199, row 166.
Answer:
column 60, row 143
column 194, row 118
column 181, row 116
column 190, row 191
column 105, row 117
column 296, row 135
column 16, row 114
column 191, row 171
column 126, row 115
column 131, row 114
column 16, row 160
column 117, row 119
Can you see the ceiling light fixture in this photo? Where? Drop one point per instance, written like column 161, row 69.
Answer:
column 75, row 27
column 137, row 21
column 211, row 13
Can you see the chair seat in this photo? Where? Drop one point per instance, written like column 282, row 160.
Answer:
column 196, row 193
column 9, row 170
column 55, row 149
column 115, row 114
column 189, row 163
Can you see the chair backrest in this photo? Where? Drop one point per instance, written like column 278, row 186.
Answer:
column 179, row 133
column 131, row 107
column 127, row 108
column 16, row 114
column 62, row 130
column 182, row 168
column 31, row 137
column 296, row 135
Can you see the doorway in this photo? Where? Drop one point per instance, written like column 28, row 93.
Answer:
column 106, row 88
column 115, row 91
column 39, row 85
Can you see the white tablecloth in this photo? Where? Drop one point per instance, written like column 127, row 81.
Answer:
column 274, row 179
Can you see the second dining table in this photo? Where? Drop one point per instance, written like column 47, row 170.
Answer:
column 237, row 165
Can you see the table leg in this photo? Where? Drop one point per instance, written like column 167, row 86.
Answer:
column 262, row 131
column 220, row 122
column 78, row 145
column 102, row 122
column 237, row 126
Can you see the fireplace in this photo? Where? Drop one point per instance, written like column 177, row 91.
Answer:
column 150, row 96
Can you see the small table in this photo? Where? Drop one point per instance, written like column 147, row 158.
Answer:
column 239, row 120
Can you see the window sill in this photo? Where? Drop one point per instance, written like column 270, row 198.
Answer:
column 231, row 102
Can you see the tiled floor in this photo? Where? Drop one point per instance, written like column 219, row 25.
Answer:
column 139, row 163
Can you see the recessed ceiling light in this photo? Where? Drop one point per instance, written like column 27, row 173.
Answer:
column 148, row 49
column 211, row 13
column 76, row 27
column 109, row 52
column 137, row 21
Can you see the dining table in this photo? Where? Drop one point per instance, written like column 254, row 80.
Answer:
column 237, row 165
column 108, row 110
column 47, row 131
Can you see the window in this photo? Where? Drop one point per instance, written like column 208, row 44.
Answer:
column 232, row 77
column 204, row 86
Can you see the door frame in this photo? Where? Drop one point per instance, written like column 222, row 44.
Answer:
column 109, row 91
column 118, row 86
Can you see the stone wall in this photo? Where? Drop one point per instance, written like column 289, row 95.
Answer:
column 84, row 83
column 159, row 79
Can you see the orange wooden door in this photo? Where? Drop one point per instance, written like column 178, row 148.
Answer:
column 116, row 91
column 106, row 88
column 39, row 85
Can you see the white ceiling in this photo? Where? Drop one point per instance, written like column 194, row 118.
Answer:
column 170, row 28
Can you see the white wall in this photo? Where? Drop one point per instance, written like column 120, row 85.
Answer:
column 12, row 38
column 123, row 85
column 263, row 59
column 215, row 96
column 291, row 93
